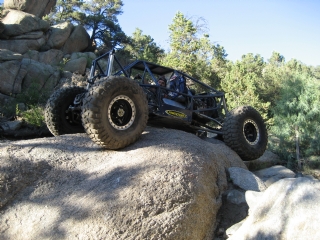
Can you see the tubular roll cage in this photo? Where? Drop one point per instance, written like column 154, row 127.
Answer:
column 152, row 69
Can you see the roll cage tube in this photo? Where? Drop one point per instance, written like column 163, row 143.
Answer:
column 145, row 67
column 101, row 73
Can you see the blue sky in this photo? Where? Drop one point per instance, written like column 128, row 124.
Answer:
column 290, row 27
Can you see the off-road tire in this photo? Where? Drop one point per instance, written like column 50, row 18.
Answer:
column 59, row 121
column 245, row 132
column 115, row 112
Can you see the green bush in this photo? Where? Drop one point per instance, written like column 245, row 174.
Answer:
column 33, row 100
column 62, row 63
column 34, row 116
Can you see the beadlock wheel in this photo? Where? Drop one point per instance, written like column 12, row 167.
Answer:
column 115, row 112
column 251, row 132
column 121, row 112
column 245, row 132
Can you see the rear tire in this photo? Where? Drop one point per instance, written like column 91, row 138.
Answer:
column 57, row 117
column 115, row 112
column 245, row 132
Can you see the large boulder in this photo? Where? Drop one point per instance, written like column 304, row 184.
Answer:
column 35, row 7
column 76, row 65
column 167, row 185
column 11, row 77
column 288, row 209
column 245, row 179
column 58, row 35
column 52, row 56
column 30, row 35
column 43, row 76
column 20, row 75
column 5, row 100
column 274, row 174
column 22, row 45
column 17, row 23
column 268, row 159
column 78, row 40
column 90, row 56
column 7, row 55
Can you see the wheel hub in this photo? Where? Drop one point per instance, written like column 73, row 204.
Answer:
column 251, row 132
column 121, row 112
column 73, row 115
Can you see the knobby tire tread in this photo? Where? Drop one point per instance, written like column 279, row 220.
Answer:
column 54, row 117
column 94, row 112
column 233, row 134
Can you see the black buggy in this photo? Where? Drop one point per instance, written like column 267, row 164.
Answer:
column 119, row 102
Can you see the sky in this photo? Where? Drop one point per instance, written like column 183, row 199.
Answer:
column 290, row 27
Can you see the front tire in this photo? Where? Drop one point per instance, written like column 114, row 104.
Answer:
column 245, row 132
column 58, row 117
column 115, row 112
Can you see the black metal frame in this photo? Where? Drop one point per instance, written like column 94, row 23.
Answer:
column 162, row 107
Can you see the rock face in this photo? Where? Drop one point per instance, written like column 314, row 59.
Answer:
column 59, row 34
column 246, row 180
column 77, row 41
column 167, row 185
column 17, row 23
column 274, row 174
column 37, row 8
column 43, row 75
column 24, row 37
column 10, row 83
column 25, row 73
column 288, row 209
column 22, row 45
column 268, row 159
column 78, row 65
column 52, row 56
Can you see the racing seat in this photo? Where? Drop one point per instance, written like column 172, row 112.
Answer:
column 181, row 101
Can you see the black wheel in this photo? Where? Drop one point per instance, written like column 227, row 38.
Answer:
column 115, row 112
column 245, row 132
column 58, row 117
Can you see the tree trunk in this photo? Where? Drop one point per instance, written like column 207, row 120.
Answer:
column 297, row 148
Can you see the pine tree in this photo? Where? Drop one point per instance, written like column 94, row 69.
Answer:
column 272, row 73
column 191, row 50
column 99, row 17
column 297, row 112
column 143, row 47
column 241, row 83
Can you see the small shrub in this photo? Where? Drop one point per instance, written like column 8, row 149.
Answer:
column 62, row 63
column 34, row 95
column 313, row 162
column 33, row 99
column 34, row 116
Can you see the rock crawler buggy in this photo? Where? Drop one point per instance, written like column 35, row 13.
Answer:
column 119, row 102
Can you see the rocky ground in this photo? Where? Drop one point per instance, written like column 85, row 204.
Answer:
column 65, row 163
column 230, row 213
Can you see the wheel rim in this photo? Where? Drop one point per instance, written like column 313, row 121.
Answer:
column 251, row 132
column 121, row 112
column 73, row 117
